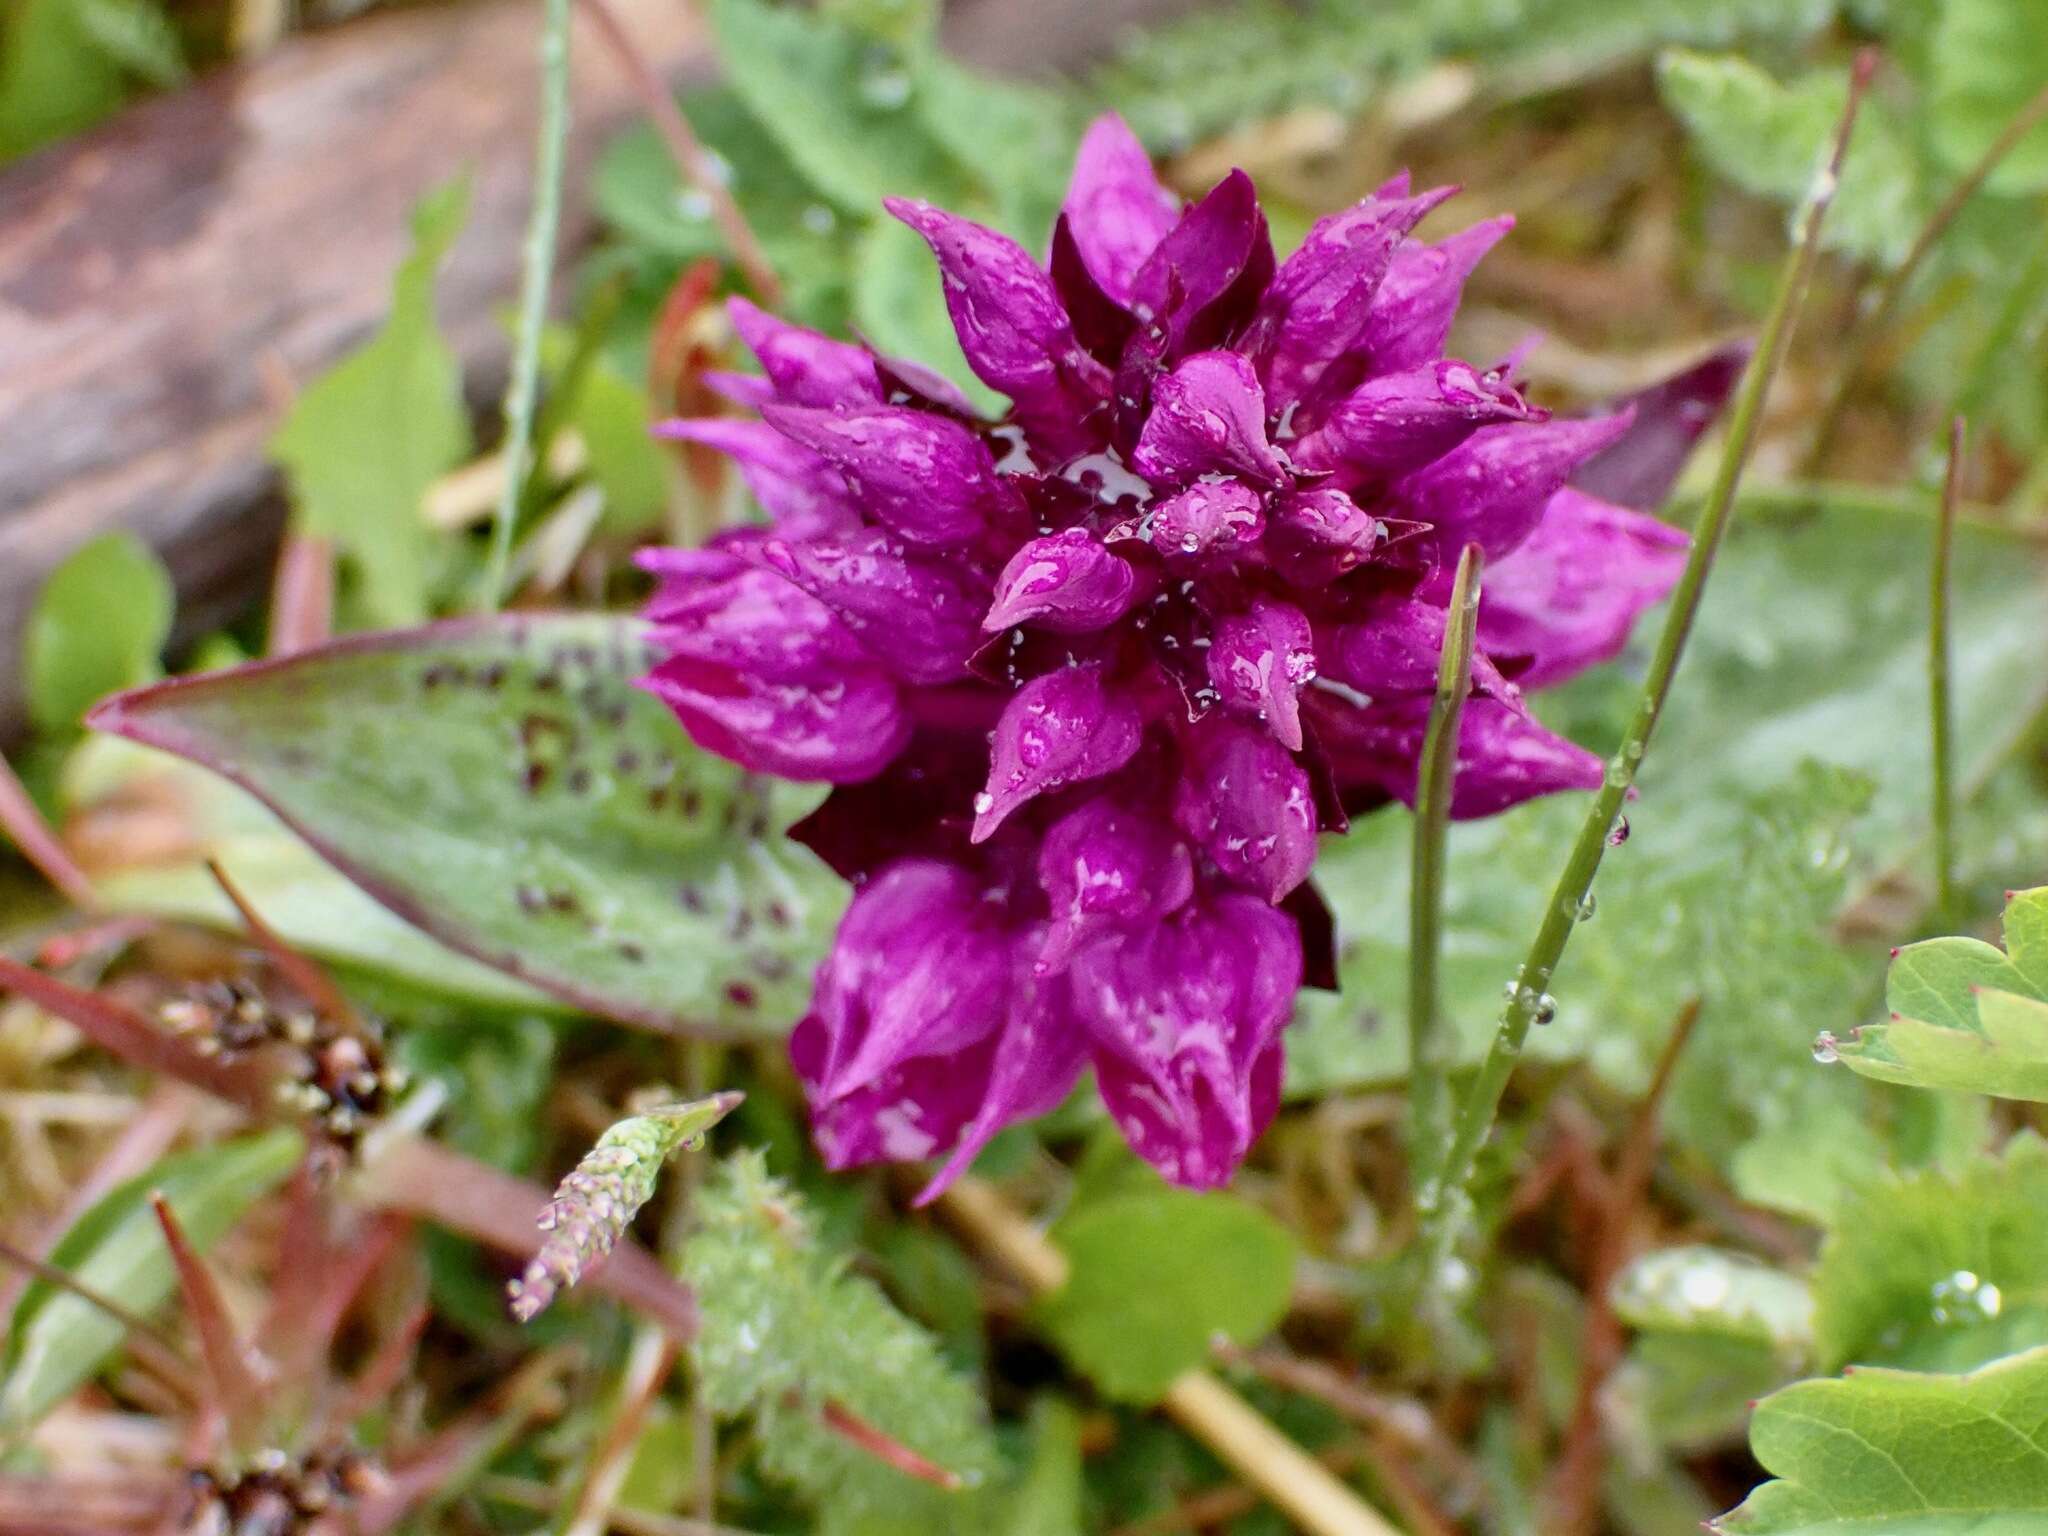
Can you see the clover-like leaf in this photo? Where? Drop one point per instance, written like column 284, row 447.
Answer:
column 1964, row 1014
column 1900, row 1453
column 501, row 784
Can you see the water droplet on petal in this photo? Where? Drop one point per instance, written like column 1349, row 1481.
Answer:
column 1826, row 1049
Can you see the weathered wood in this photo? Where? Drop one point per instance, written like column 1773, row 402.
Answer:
column 164, row 278
column 161, row 276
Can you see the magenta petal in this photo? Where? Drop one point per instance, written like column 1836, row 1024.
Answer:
column 839, row 726
column 1400, row 422
column 916, row 615
column 1260, row 660
column 926, row 476
column 1015, row 335
column 918, row 968
column 1504, row 755
column 1105, row 866
column 1318, row 305
column 1418, row 298
column 1208, row 417
column 914, row 1111
column 1314, row 537
column 1056, row 730
column 1248, row 804
column 1492, row 488
column 1210, row 515
column 1068, row 582
column 800, row 491
column 1116, row 208
column 748, row 389
column 1569, row 595
column 1038, row 1058
column 1201, row 259
column 1639, row 468
column 805, row 367
column 1186, row 1019
column 1392, row 650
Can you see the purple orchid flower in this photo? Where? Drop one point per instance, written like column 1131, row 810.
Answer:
column 1089, row 681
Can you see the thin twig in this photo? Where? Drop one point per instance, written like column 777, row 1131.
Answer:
column 1430, row 1045
column 23, row 823
column 1892, row 292
column 542, row 232
column 1217, row 1507
column 302, row 595
column 648, row 1363
column 692, row 160
column 1446, row 1205
column 1575, row 1487
column 1939, row 665
column 1294, row 1481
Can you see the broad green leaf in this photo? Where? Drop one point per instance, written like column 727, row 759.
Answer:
column 636, row 189
column 98, row 626
column 1046, row 1500
column 1964, row 1014
column 1691, row 1392
column 1898, row 1453
column 1155, row 1277
column 57, row 1339
column 500, row 784
column 1770, row 138
column 299, row 893
column 900, row 307
column 1712, row 1290
column 612, row 416
column 1935, row 1272
column 1016, row 141
column 1988, row 58
column 1780, row 779
column 65, row 64
column 787, row 1331
column 366, row 438
column 836, row 101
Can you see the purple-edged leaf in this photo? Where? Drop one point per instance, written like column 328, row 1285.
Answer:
column 501, row 784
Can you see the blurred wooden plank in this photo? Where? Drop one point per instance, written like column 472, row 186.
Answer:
column 160, row 276
column 155, row 273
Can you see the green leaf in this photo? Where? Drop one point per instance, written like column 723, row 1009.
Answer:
column 787, row 1330
column 836, row 101
column 501, row 784
column 1712, row 1290
column 65, row 64
column 1770, row 138
column 1016, row 141
column 1046, row 1500
column 1897, row 1453
column 1938, row 1273
column 1810, row 645
column 98, row 626
column 59, row 1340
column 1155, row 1277
column 1691, row 1392
column 366, row 438
column 298, row 892
column 1987, row 60
column 1964, row 1014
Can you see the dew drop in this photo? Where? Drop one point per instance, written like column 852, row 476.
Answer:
column 1618, row 834
column 984, row 803
column 1826, row 1049
column 1544, row 1009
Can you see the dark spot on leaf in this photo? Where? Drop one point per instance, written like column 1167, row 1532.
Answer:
column 777, row 914
column 579, row 781
column 739, row 994
column 531, row 898
column 535, row 777
column 770, row 966
column 691, row 898
column 627, row 762
column 632, row 952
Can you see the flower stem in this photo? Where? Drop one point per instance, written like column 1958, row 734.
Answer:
column 1430, row 1047
column 1938, row 668
column 1892, row 293
column 1445, row 1200
column 542, row 230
